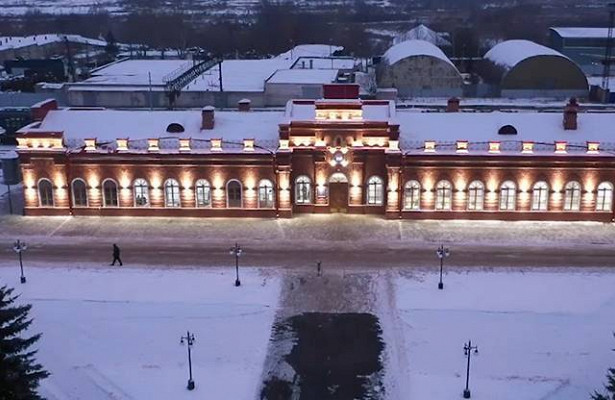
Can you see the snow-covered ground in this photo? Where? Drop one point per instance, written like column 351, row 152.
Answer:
column 115, row 334
column 112, row 333
column 541, row 335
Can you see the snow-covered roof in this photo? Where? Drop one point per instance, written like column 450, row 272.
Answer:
column 509, row 53
column 16, row 42
column 412, row 48
column 581, row 32
column 304, row 76
column 135, row 72
column 422, row 32
column 108, row 125
column 325, row 63
column 306, row 111
column 310, row 50
column 239, row 75
column 480, row 128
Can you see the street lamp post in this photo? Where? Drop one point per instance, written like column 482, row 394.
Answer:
column 19, row 248
column 237, row 252
column 467, row 349
column 189, row 339
column 442, row 253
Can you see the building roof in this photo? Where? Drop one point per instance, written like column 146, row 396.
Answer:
column 304, row 76
column 324, row 63
column 422, row 32
column 239, row 75
column 509, row 53
column 16, row 42
column 135, row 72
column 412, row 48
column 581, row 32
column 310, row 50
column 109, row 125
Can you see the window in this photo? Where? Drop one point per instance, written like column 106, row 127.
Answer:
column 203, row 193
column 233, row 194
column 412, row 195
column 110, row 193
column 540, row 196
column 572, row 196
column 171, row 193
column 45, row 193
column 80, row 195
column 604, row 202
column 476, row 196
column 141, row 193
column 265, row 194
column 508, row 195
column 444, row 194
column 375, row 191
column 303, row 190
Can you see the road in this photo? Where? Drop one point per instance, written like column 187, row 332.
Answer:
column 290, row 254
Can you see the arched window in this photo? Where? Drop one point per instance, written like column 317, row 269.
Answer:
column 508, row 196
column 540, row 196
column 476, row 196
column 303, row 190
column 412, row 195
column 265, row 194
column 203, row 193
column 444, row 195
column 80, row 193
column 171, row 193
column 572, row 196
column 604, row 201
column 45, row 193
column 233, row 194
column 375, row 191
column 141, row 192
column 110, row 193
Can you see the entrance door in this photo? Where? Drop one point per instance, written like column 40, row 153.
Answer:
column 338, row 197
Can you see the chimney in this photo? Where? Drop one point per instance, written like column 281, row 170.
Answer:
column 40, row 109
column 244, row 104
column 570, row 115
column 452, row 105
column 207, row 118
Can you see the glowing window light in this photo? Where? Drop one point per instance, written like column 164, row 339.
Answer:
column 122, row 144
column 216, row 144
column 90, row 144
column 248, row 145
column 494, row 147
column 430, row 146
column 184, row 144
column 527, row 147
column 152, row 145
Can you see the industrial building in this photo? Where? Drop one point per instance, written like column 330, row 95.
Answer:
column 521, row 68
column 417, row 68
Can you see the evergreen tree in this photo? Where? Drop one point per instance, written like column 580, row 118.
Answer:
column 19, row 372
column 111, row 48
column 610, row 387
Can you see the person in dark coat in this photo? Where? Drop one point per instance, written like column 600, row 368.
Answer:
column 116, row 255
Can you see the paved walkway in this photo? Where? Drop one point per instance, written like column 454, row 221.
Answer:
column 337, row 240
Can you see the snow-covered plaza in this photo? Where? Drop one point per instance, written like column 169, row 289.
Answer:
column 111, row 333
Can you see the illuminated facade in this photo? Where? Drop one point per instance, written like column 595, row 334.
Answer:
column 324, row 156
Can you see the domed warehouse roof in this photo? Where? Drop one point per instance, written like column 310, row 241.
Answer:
column 419, row 68
column 526, row 69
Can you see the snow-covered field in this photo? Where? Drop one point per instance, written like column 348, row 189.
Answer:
column 541, row 334
column 112, row 333
column 115, row 334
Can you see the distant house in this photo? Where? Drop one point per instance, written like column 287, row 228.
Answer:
column 585, row 46
column 520, row 68
column 417, row 68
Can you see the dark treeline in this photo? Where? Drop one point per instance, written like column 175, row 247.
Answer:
column 273, row 27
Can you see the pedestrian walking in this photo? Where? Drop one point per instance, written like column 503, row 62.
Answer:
column 116, row 255
column 318, row 267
